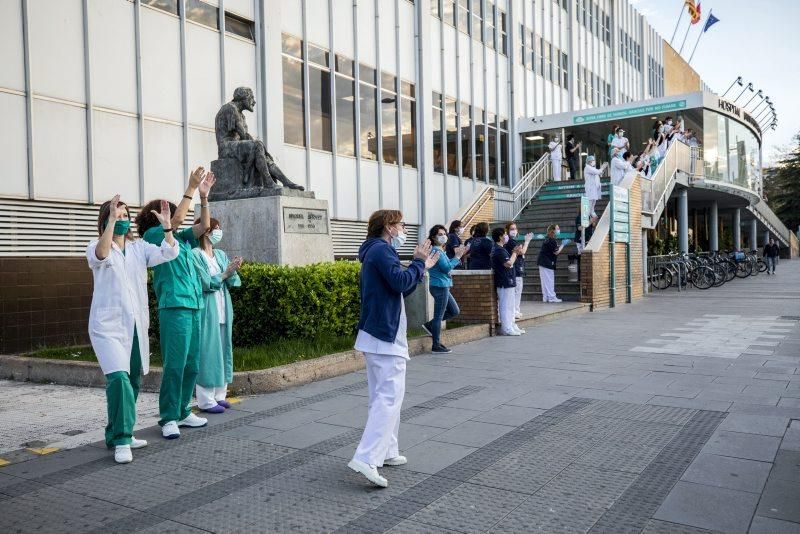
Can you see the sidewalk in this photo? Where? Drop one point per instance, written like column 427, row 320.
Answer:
column 678, row 413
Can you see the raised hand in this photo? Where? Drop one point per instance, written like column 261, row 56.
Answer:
column 528, row 237
column 431, row 260
column 196, row 177
column 164, row 216
column 234, row 265
column 423, row 251
column 518, row 249
column 112, row 214
column 207, row 183
column 460, row 251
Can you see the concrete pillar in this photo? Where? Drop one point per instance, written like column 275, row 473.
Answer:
column 766, row 238
column 753, row 234
column 737, row 229
column 713, row 227
column 683, row 220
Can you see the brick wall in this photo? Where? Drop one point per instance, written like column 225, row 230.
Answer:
column 44, row 301
column 474, row 291
column 596, row 266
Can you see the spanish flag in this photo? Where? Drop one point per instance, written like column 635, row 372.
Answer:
column 694, row 10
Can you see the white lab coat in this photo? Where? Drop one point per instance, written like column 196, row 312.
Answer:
column 591, row 179
column 119, row 301
column 618, row 143
column 555, row 159
column 619, row 167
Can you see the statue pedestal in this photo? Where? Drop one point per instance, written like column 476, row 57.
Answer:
column 283, row 226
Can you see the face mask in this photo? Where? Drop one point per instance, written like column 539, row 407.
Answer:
column 441, row 239
column 555, row 139
column 505, row 239
column 669, row 123
column 593, row 164
column 215, row 236
column 122, row 226
column 399, row 240
column 513, row 233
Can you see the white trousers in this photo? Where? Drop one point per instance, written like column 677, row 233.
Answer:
column 592, row 202
column 547, row 277
column 556, row 170
column 518, row 294
column 208, row 397
column 386, row 380
column 505, row 309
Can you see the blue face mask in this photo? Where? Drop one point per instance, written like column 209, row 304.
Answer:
column 215, row 236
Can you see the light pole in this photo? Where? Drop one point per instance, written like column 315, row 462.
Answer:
column 737, row 80
column 762, row 114
column 759, row 93
column 749, row 86
column 763, row 101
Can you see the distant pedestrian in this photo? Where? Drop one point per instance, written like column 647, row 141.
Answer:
column 480, row 248
column 119, row 315
column 771, row 252
column 572, row 150
column 504, row 281
column 519, row 264
column 382, row 337
column 555, row 158
column 445, row 306
column 548, row 256
column 217, row 274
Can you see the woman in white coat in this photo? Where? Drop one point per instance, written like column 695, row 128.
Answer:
column 555, row 158
column 119, row 316
column 592, row 186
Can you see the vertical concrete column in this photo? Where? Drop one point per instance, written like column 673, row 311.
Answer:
column 683, row 220
column 766, row 238
column 737, row 229
column 713, row 227
column 753, row 234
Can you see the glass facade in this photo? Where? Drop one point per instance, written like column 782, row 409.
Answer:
column 731, row 151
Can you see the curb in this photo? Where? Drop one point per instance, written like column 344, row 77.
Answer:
column 88, row 374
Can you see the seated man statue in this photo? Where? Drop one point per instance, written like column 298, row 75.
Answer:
column 233, row 141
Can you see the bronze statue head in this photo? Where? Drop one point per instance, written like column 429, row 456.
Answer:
column 244, row 97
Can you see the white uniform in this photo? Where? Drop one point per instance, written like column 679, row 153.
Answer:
column 555, row 158
column 618, row 145
column 386, row 379
column 119, row 301
column 619, row 167
column 592, row 186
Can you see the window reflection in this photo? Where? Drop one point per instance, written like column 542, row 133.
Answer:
column 239, row 26
column 438, row 133
column 345, row 116
column 170, row 6
column 319, row 96
column 202, row 13
column 451, row 123
column 293, row 102
column 730, row 152
column 389, row 118
column 367, row 110
column 466, row 141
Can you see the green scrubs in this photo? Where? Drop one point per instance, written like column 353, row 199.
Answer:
column 177, row 288
column 122, row 390
column 216, row 353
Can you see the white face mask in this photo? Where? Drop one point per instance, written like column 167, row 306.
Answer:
column 621, row 133
column 505, row 239
column 555, row 139
column 399, row 240
column 513, row 233
column 441, row 239
column 215, row 236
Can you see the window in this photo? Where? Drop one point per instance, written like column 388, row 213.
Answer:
column 451, row 123
column 542, row 70
column 389, row 118
column 170, row 6
column 449, row 11
column 532, row 51
column 477, row 19
column 240, row 27
column 463, row 15
column 489, row 25
column 319, row 98
column 564, row 70
column 522, row 44
column 438, row 134
column 367, row 111
column 503, row 33
column 504, row 177
column 408, row 124
column 293, row 101
column 466, row 140
column 345, row 107
column 436, row 8
column 202, row 13
column 480, row 144
column 491, row 128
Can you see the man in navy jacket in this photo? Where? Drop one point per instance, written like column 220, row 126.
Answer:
column 382, row 337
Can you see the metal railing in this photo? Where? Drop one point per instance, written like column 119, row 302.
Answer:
column 656, row 190
column 468, row 212
column 654, row 263
column 536, row 175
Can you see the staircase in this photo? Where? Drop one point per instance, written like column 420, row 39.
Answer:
column 555, row 203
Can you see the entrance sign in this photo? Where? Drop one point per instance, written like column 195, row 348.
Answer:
column 619, row 231
column 630, row 112
column 584, row 211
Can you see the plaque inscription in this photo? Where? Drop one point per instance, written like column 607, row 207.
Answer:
column 305, row 221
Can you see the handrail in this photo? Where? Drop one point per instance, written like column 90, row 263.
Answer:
column 656, row 190
column 467, row 213
column 528, row 169
column 772, row 222
column 536, row 176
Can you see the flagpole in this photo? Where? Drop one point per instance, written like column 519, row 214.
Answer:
column 680, row 17
column 699, row 36
column 684, row 39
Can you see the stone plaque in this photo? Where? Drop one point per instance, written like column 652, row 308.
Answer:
column 305, row 221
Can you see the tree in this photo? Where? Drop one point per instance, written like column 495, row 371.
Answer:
column 782, row 186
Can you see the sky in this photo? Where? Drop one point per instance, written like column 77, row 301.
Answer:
column 758, row 40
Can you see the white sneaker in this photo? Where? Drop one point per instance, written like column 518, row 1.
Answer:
column 138, row 443
column 122, row 454
column 397, row 460
column 170, row 430
column 518, row 315
column 518, row 329
column 369, row 471
column 511, row 333
column 555, row 300
column 193, row 421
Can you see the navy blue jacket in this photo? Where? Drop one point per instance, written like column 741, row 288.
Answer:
column 519, row 264
column 453, row 241
column 547, row 254
column 503, row 276
column 383, row 283
column 480, row 252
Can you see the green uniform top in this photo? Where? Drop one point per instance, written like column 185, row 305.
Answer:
column 176, row 282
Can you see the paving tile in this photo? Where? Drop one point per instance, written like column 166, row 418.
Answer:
column 445, row 417
column 473, row 433
column 768, row 525
column 698, row 404
column 727, row 472
column 708, row 507
column 787, row 466
column 433, row 456
column 747, row 446
column 780, row 500
column 291, row 419
column 755, row 424
column 655, row 526
column 306, row 435
column 508, row 415
column 791, row 440
column 543, row 399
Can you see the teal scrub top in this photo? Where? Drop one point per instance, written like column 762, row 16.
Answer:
column 176, row 282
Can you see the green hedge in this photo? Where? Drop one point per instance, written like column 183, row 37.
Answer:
column 281, row 302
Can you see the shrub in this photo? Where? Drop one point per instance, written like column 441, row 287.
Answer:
column 282, row 302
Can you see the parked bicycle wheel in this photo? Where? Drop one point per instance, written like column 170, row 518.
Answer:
column 744, row 269
column 720, row 274
column 703, row 277
column 662, row 278
column 762, row 265
column 730, row 272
